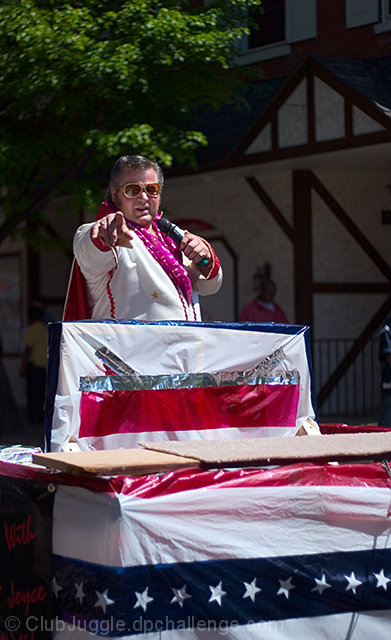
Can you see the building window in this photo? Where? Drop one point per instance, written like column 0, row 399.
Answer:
column 376, row 12
column 384, row 23
column 282, row 23
column 270, row 25
column 386, row 8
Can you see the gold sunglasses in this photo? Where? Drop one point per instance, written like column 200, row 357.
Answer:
column 133, row 189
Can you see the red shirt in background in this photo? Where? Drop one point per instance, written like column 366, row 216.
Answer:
column 258, row 311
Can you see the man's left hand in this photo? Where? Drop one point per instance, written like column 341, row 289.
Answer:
column 195, row 248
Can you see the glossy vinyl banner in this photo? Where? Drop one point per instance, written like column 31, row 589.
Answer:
column 113, row 384
column 301, row 551
column 26, row 558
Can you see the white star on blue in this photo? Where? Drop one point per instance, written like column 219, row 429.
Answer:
column 103, row 600
column 143, row 599
column 251, row 589
column 285, row 587
column 180, row 595
column 217, row 593
column 353, row 582
column 321, row 585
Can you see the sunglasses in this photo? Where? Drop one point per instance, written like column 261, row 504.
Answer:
column 133, row 189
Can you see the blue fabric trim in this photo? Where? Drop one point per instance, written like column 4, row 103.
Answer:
column 286, row 587
column 55, row 332
column 314, row 402
column 265, row 327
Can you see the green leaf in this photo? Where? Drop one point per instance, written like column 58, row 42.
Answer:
column 84, row 81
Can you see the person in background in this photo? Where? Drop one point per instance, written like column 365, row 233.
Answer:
column 125, row 267
column 33, row 363
column 263, row 308
column 385, row 360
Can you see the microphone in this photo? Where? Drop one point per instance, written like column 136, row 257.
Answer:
column 176, row 233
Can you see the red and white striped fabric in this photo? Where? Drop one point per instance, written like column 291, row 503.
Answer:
column 113, row 384
column 302, row 551
column 299, row 551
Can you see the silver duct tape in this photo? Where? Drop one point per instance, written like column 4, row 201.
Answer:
column 114, row 362
column 186, row 380
column 271, row 362
column 129, row 380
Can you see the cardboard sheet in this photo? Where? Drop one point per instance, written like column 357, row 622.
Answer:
column 261, row 451
column 131, row 462
column 160, row 457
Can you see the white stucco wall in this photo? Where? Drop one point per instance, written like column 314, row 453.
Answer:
column 232, row 207
column 228, row 203
column 338, row 258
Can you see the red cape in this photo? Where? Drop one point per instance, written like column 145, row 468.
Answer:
column 76, row 305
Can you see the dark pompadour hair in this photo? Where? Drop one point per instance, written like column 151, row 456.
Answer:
column 126, row 162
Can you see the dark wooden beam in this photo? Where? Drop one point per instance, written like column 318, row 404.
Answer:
column 351, row 287
column 302, row 225
column 352, row 227
column 311, row 110
column 271, row 207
